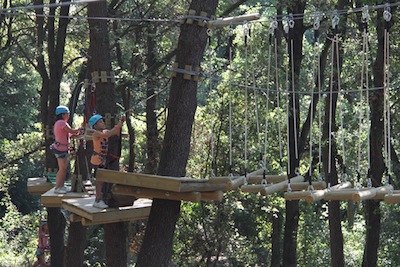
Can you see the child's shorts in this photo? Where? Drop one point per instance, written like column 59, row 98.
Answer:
column 57, row 153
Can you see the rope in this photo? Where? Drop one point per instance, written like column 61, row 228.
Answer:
column 365, row 18
column 316, row 27
column 278, row 100
column 255, row 92
column 210, row 54
column 387, row 139
column 230, row 103
column 291, row 26
column 246, row 34
column 289, row 46
column 12, row 11
column 271, row 34
column 335, row 44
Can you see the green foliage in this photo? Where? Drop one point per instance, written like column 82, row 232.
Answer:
column 233, row 232
column 18, row 235
column 20, row 99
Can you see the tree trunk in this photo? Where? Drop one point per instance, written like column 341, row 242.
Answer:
column 330, row 171
column 56, row 222
column 51, row 75
column 295, row 50
column 276, row 238
column 115, row 233
column 157, row 245
column 76, row 245
column 376, row 102
column 153, row 147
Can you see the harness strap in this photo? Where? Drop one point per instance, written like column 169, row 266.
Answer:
column 60, row 144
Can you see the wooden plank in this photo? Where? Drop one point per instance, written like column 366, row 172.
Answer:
column 90, row 215
column 222, row 179
column 39, row 185
column 342, row 194
column 237, row 182
column 253, row 188
column 297, row 195
column 53, row 200
column 392, row 198
column 319, row 194
column 296, row 186
column 145, row 180
column 270, row 179
column 212, row 196
column 141, row 192
column 202, row 187
column 233, row 182
column 232, row 20
column 280, row 186
column 87, row 222
column 358, row 194
column 382, row 191
column 75, row 218
column 364, row 193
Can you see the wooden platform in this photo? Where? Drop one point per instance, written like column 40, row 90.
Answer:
column 53, row 200
column 165, row 183
column 82, row 210
column 141, row 192
column 39, row 185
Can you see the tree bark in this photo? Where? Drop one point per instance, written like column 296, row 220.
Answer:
column 115, row 233
column 276, row 238
column 76, row 245
column 295, row 50
column 376, row 102
column 51, row 75
column 153, row 143
column 157, row 245
column 330, row 170
column 56, row 222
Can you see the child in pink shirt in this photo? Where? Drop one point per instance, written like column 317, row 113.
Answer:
column 43, row 245
column 62, row 133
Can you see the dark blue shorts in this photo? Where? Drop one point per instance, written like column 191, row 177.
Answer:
column 57, row 153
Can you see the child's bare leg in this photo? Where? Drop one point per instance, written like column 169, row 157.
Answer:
column 99, row 193
column 62, row 171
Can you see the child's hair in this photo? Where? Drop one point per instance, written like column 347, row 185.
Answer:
column 59, row 117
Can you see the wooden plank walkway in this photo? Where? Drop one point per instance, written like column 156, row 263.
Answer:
column 82, row 210
column 53, row 200
column 166, row 183
column 39, row 185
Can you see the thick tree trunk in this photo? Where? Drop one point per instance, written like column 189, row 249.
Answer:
column 51, row 75
column 56, row 222
column 376, row 102
column 157, row 245
column 153, row 143
column 330, row 171
column 116, row 252
column 76, row 245
column 295, row 50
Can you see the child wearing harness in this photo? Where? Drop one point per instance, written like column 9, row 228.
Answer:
column 100, row 150
column 43, row 245
column 62, row 133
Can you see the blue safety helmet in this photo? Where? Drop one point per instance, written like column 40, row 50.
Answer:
column 94, row 119
column 61, row 110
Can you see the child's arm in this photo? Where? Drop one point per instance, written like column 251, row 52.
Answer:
column 113, row 131
column 70, row 130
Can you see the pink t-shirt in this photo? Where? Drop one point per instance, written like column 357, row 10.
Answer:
column 61, row 136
